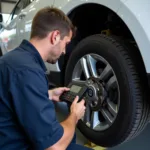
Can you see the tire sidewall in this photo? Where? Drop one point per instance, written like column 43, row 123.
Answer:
column 106, row 49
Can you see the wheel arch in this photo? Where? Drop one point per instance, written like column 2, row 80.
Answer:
column 138, row 24
column 127, row 32
column 127, row 23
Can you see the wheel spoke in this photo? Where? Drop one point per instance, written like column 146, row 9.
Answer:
column 79, row 81
column 112, row 107
column 77, row 71
column 107, row 116
column 85, row 67
column 92, row 65
column 111, row 82
column 94, row 119
column 106, row 72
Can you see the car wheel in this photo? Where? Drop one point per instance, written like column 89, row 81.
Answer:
column 118, row 109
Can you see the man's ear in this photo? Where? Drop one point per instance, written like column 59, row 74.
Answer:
column 55, row 37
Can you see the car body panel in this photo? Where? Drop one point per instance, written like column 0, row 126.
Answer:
column 9, row 38
column 22, row 29
column 68, row 5
column 134, row 13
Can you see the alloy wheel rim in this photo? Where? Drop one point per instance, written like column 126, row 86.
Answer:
column 101, row 110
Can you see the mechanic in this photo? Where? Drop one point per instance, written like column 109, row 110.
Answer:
column 27, row 113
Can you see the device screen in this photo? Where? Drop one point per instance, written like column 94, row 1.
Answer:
column 75, row 88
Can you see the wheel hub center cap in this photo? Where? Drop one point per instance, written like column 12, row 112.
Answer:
column 95, row 94
column 91, row 92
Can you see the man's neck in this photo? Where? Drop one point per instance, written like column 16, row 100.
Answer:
column 41, row 47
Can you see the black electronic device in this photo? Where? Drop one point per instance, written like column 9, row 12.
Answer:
column 76, row 89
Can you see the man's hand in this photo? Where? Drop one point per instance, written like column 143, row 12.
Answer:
column 78, row 108
column 55, row 93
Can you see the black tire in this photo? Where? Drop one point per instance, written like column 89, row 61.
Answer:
column 133, row 113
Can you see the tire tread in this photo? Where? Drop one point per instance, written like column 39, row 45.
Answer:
column 141, row 119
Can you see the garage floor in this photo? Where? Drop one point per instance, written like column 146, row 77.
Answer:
column 140, row 142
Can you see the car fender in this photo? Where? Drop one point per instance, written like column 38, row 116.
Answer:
column 135, row 14
column 67, row 6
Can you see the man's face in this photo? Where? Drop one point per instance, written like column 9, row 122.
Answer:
column 59, row 48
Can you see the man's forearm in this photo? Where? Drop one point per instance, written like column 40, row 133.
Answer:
column 69, row 129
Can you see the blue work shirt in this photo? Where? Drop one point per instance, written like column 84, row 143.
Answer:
column 27, row 116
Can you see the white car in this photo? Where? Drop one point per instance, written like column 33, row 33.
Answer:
column 111, row 50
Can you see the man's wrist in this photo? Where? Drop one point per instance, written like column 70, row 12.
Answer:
column 74, row 116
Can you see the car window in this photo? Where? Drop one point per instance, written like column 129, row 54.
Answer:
column 22, row 4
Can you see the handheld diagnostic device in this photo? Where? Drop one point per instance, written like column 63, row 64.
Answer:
column 76, row 89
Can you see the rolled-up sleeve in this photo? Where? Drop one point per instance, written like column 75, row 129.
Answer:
column 35, row 112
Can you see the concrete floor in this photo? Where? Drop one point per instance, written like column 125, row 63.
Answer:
column 142, row 142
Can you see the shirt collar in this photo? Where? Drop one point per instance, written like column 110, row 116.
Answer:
column 26, row 45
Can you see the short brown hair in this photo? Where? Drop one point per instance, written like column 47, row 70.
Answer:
column 49, row 19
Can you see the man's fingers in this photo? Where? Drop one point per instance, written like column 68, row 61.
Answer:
column 64, row 89
column 67, row 89
column 82, row 101
column 76, row 99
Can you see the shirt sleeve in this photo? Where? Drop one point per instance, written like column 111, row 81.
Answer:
column 35, row 112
